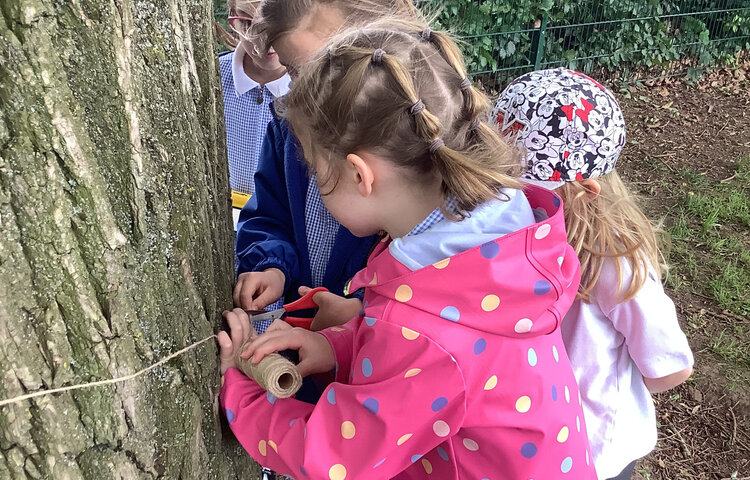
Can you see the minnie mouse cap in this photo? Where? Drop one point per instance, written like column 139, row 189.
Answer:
column 569, row 125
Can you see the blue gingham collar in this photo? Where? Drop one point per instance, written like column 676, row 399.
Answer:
column 243, row 83
column 432, row 219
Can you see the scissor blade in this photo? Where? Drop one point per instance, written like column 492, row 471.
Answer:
column 264, row 317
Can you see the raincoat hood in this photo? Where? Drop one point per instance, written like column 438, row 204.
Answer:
column 474, row 287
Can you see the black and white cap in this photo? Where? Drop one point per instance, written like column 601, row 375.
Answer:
column 569, row 126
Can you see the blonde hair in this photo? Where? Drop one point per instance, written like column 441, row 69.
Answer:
column 411, row 103
column 229, row 38
column 278, row 17
column 611, row 225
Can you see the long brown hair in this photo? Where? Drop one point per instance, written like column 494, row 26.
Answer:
column 610, row 226
column 279, row 17
column 410, row 102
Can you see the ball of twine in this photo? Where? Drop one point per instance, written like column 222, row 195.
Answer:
column 274, row 373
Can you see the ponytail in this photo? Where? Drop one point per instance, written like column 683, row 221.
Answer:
column 361, row 93
column 465, row 181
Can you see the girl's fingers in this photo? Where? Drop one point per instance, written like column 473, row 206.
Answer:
column 278, row 325
column 271, row 342
column 307, row 367
column 235, row 329
column 226, row 352
column 265, row 298
column 237, row 291
column 225, row 346
column 244, row 323
column 250, row 288
column 303, row 290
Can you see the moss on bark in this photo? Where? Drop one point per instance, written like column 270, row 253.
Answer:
column 117, row 244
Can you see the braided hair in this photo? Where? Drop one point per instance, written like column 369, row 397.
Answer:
column 402, row 93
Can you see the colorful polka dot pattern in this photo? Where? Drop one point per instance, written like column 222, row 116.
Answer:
column 404, row 293
column 489, row 250
column 337, row 472
column 371, row 405
column 479, row 346
column 528, row 450
column 450, row 313
column 348, row 430
column 430, row 342
column 442, row 264
column 523, row 326
column 331, row 396
column 404, row 438
column 367, row 367
column 439, row 404
column 441, row 429
column 490, row 303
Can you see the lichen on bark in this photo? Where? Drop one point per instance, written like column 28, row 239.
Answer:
column 116, row 246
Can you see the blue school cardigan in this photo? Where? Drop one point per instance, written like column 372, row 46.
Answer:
column 271, row 228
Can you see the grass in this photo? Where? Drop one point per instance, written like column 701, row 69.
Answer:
column 710, row 237
column 710, row 257
column 733, row 349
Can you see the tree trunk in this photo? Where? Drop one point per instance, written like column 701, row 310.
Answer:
column 115, row 239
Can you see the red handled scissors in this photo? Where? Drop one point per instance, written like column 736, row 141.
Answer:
column 304, row 303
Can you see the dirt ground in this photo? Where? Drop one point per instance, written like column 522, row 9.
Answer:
column 683, row 138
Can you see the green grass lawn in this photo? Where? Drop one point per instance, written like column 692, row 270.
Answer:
column 710, row 257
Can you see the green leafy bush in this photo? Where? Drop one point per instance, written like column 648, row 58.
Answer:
column 651, row 37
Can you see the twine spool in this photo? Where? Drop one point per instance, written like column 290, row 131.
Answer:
column 274, row 373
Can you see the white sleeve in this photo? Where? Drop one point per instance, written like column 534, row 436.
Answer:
column 648, row 322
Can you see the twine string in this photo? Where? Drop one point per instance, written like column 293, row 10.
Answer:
column 110, row 381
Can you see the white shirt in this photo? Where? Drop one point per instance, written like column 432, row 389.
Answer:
column 612, row 346
column 245, row 119
column 243, row 83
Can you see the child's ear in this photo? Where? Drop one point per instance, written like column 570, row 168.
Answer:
column 364, row 175
column 593, row 187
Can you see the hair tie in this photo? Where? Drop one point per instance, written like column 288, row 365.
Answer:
column 465, row 84
column 416, row 108
column 436, row 144
column 377, row 55
column 426, row 34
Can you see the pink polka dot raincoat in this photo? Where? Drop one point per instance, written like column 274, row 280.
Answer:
column 453, row 371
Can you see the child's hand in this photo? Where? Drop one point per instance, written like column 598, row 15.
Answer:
column 240, row 330
column 257, row 290
column 315, row 353
column 278, row 325
column 332, row 309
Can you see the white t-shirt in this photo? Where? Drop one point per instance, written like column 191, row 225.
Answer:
column 612, row 346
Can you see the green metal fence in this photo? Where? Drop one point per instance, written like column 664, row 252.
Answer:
column 626, row 39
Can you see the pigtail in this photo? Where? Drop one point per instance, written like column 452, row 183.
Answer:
column 467, row 182
column 465, row 178
column 381, row 88
column 487, row 138
column 475, row 102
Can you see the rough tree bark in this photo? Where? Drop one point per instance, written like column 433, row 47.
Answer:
column 115, row 239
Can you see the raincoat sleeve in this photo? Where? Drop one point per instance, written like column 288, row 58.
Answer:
column 402, row 403
column 342, row 341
